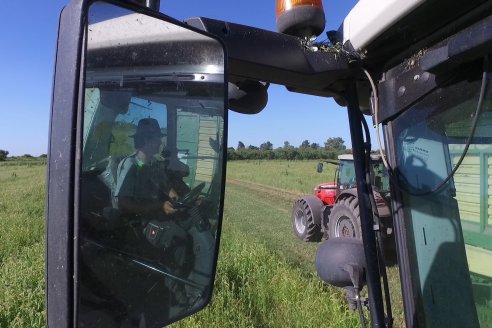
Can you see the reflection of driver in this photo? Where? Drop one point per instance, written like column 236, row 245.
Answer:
column 141, row 188
column 145, row 189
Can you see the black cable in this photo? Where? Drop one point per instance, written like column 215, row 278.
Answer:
column 366, row 214
column 381, row 257
column 379, row 237
column 391, row 173
column 478, row 110
column 359, row 308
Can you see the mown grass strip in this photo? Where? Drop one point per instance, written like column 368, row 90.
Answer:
column 265, row 218
column 257, row 287
column 288, row 175
column 295, row 176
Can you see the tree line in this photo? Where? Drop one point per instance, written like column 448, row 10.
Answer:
column 330, row 150
column 307, row 150
column 4, row 154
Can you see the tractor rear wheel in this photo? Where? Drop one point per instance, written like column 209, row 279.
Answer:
column 305, row 213
column 345, row 219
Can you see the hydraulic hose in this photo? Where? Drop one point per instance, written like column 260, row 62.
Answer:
column 379, row 236
column 368, row 236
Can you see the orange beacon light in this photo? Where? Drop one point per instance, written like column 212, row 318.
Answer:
column 301, row 18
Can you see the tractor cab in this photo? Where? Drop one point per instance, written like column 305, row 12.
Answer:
column 345, row 178
column 117, row 256
column 345, row 173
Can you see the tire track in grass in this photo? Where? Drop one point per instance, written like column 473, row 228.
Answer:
column 263, row 217
column 257, row 288
column 281, row 199
column 258, row 284
column 259, row 187
column 274, row 198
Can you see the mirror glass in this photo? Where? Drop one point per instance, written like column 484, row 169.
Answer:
column 151, row 173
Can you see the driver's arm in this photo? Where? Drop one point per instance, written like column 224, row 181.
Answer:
column 133, row 206
column 167, row 207
column 138, row 204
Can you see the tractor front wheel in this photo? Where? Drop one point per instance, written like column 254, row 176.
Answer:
column 345, row 219
column 305, row 213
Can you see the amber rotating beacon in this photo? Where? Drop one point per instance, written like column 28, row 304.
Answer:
column 301, row 18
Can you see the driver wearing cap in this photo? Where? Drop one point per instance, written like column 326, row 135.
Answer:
column 145, row 188
column 141, row 187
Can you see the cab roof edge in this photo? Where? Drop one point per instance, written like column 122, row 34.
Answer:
column 370, row 18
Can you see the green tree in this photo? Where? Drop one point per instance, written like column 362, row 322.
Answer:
column 335, row 144
column 305, row 144
column 231, row 154
column 3, row 154
column 266, row 146
column 240, row 145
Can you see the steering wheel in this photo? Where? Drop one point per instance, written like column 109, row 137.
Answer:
column 350, row 184
column 189, row 199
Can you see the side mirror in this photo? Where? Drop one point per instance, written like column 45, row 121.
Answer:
column 129, row 83
column 341, row 262
column 248, row 97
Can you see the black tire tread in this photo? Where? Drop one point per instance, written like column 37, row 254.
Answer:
column 345, row 205
column 313, row 231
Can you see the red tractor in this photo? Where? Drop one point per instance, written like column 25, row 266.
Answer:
column 333, row 210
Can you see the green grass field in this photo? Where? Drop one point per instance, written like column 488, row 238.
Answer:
column 298, row 177
column 22, row 197
column 265, row 278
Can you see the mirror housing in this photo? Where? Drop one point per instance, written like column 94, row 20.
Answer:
column 337, row 259
column 248, row 97
column 340, row 262
column 74, row 122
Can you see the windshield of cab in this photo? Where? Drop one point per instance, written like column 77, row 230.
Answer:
column 447, row 218
column 346, row 175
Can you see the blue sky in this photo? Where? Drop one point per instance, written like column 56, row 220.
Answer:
column 28, row 41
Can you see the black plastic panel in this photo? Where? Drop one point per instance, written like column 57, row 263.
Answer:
column 261, row 55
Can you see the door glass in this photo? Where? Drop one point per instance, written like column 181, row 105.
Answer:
column 151, row 173
column 380, row 178
column 346, row 175
column 449, row 228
